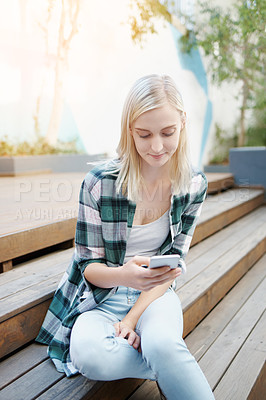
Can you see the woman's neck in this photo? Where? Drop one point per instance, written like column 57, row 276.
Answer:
column 152, row 175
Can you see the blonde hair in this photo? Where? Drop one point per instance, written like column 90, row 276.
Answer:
column 150, row 92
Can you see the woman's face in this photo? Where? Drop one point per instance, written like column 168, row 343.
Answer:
column 156, row 135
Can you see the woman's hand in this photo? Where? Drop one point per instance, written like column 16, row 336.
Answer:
column 126, row 330
column 144, row 279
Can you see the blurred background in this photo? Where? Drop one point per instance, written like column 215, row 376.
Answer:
column 66, row 67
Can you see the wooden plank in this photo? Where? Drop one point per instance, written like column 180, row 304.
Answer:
column 259, row 388
column 19, row 330
column 75, row 388
column 19, row 363
column 204, row 335
column 6, row 266
column 33, row 383
column 245, row 369
column 223, row 242
column 118, row 390
column 34, row 272
column 148, row 390
column 223, row 214
column 235, row 231
column 29, row 240
column 23, row 300
column 219, row 181
column 202, row 293
column 233, row 336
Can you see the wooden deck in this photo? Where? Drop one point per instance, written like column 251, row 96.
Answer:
column 222, row 297
column 32, row 201
column 40, row 211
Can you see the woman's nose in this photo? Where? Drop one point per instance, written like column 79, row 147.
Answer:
column 156, row 145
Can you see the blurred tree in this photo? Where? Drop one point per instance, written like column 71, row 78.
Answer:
column 68, row 27
column 233, row 41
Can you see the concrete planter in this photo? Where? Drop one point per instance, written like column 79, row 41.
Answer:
column 248, row 164
column 217, row 168
column 20, row 165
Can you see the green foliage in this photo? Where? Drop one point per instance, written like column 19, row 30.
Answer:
column 233, row 41
column 256, row 132
column 144, row 24
column 222, row 144
column 36, row 147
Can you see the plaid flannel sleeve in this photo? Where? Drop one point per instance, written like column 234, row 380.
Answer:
column 190, row 215
column 89, row 246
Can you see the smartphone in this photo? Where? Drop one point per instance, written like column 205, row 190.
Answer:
column 161, row 261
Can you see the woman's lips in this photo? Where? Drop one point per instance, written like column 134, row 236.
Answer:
column 157, row 157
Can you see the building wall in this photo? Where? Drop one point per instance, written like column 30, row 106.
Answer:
column 103, row 63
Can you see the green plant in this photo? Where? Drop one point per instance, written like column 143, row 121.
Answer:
column 38, row 146
column 222, row 144
column 256, row 132
column 233, row 40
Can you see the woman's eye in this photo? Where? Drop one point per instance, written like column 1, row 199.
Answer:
column 144, row 137
column 168, row 133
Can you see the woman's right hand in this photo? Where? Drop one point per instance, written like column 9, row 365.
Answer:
column 144, row 279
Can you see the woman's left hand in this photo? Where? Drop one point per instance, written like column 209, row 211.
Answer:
column 126, row 330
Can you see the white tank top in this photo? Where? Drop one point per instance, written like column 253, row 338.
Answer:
column 145, row 240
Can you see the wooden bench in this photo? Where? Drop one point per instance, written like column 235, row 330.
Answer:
column 36, row 215
column 229, row 345
column 218, row 211
column 224, row 283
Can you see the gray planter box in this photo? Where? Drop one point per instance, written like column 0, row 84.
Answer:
column 248, row 164
column 217, row 168
column 18, row 165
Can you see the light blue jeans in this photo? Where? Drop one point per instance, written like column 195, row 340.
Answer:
column 99, row 355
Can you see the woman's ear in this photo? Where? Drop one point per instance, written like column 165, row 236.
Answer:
column 183, row 120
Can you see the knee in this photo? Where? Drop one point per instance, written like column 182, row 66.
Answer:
column 92, row 357
column 163, row 348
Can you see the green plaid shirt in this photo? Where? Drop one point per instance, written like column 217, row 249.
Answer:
column 104, row 222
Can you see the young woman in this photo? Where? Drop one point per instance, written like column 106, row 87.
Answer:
column 111, row 318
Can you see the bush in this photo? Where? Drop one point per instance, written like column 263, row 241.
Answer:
column 36, row 147
column 222, row 144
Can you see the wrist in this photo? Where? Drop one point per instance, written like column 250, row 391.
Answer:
column 131, row 322
column 122, row 276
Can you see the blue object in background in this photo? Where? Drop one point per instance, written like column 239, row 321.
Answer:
column 193, row 63
column 248, row 165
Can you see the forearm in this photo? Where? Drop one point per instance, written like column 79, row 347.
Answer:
column 144, row 300
column 102, row 276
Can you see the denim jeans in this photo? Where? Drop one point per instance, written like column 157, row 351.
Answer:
column 99, row 355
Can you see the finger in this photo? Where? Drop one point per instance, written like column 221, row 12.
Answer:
column 117, row 328
column 172, row 273
column 141, row 260
column 159, row 279
column 136, row 342
column 131, row 337
column 159, row 270
column 124, row 332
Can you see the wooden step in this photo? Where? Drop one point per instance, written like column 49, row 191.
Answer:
column 218, row 211
column 236, row 324
column 214, row 266
column 221, row 210
column 229, row 343
column 41, row 211
column 218, row 182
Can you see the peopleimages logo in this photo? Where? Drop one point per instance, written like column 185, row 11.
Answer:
column 45, row 199
column 36, row 214
column 44, row 190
